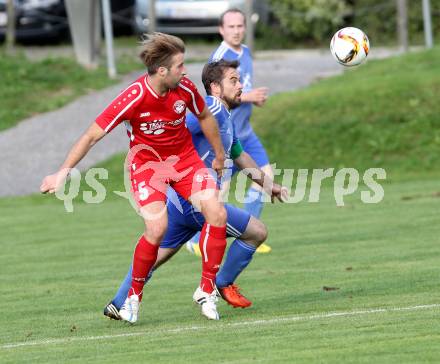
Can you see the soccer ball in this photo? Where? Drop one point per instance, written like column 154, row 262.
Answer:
column 350, row 46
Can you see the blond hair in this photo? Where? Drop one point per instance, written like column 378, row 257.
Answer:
column 157, row 49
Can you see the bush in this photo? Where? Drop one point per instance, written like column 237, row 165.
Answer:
column 316, row 20
column 378, row 19
column 310, row 19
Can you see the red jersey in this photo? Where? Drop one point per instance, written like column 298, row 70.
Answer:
column 153, row 120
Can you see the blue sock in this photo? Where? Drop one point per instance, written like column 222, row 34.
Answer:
column 254, row 202
column 238, row 257
column 121, row 295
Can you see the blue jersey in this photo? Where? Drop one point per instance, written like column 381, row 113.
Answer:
column 226, row 129
column 241, row 114
column 203, row 147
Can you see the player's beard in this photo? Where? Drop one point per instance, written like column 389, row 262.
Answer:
column 233, row 102
column 174, row 83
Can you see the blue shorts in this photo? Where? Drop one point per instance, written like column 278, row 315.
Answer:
column 252, row 146
column 183, row 226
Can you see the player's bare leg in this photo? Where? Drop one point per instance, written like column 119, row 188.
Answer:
column 255, row 233
column 164, row 255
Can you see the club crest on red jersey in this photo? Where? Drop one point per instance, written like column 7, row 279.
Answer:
column 179, row 106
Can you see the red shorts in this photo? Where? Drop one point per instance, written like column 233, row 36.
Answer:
column 186, row 174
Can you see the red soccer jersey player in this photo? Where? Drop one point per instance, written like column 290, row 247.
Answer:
column 156, row 128
column 161, row 154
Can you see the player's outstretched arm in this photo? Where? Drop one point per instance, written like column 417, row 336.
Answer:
column 92, row 135
column 245, row 162
column 257, row 96
column 209, row 127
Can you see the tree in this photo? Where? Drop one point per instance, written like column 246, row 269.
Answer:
column 310, row 19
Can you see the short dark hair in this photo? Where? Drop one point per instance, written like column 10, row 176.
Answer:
column 231, row 10
column 157, row 49
column 213, row 72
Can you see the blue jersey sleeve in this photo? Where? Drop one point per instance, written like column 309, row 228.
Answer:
column 224, row 52
column 193, row 124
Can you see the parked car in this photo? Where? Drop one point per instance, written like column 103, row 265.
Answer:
column 189, row 16
column 36, row 20
column 46, row 20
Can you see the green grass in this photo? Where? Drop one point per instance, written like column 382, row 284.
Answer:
column 59, row 270
column 30, row 88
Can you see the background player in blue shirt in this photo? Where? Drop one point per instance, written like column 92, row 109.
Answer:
column 222, row 84
column 232, row 29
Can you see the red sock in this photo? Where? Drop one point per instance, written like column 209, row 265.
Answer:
column 212, row 245
column 144, row 257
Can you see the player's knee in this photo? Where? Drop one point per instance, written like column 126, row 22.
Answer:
column 220, row 215
column 155, row 232
column 216, row 215
column 261, row 233
column 257, row 232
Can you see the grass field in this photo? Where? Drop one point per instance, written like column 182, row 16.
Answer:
column 382, row 256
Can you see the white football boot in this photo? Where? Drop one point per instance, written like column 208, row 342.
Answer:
column 208, row 303
column 130, row 309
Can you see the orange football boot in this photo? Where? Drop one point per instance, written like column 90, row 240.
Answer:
column 231, row 294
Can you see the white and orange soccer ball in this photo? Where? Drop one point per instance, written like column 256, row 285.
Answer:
column 350, row 46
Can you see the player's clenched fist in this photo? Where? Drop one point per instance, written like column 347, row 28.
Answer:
column 279, row 192
column 54, row 181
column 259, row 96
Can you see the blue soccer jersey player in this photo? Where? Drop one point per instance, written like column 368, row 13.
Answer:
column 232, row 29
column 222, row 84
